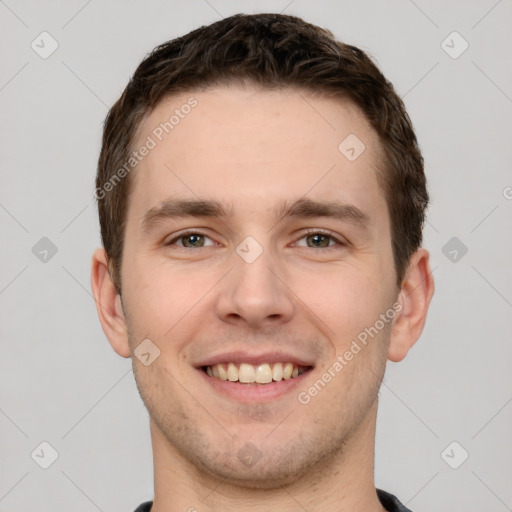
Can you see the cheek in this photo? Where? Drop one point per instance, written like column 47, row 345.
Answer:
column 166, row 302
column 344, row 300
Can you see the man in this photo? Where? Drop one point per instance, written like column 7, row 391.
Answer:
column 261, row 198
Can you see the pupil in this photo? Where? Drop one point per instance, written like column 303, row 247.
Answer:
column 318, row 238
column 193, row 239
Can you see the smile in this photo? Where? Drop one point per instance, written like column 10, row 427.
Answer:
column 246, row 373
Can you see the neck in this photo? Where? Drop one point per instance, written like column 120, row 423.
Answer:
column 343, row 483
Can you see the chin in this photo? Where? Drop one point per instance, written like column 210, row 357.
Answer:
column 261, row 475
column 278, row 466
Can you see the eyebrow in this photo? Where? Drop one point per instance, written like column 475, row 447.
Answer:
column 301, row 208
column 177, row 208
column 307, row 208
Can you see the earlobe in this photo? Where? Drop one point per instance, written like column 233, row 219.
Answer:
column 415, row 295
column 108, row 304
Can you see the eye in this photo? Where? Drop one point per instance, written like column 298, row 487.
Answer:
column 314, row 239
column 190, row 240
column 320, row 239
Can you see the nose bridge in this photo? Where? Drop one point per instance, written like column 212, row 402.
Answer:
column 253, row 292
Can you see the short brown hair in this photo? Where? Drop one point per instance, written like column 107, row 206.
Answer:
column 271, row 51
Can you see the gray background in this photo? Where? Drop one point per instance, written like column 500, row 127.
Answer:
column 60, row 381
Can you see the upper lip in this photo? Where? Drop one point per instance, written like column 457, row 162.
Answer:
column 254, row 358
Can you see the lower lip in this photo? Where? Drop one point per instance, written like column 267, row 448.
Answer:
column 250, row 393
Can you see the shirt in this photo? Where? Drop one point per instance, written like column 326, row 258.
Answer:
column 388, row 501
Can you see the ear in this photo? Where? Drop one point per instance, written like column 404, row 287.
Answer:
column 415, row 295
column 108, row 304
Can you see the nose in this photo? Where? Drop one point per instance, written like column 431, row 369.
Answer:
column 255, row 294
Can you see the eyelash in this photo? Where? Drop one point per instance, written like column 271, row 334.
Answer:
column 310, row 232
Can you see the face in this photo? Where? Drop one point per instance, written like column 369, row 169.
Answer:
column 253, row 242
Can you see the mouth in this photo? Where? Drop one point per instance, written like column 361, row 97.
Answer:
column 260, row 374
column 251, row 382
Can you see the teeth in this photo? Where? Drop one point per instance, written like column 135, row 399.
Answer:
column 277, row 371
column 248, row 373
column 232, row 372
column 263, row 374
column 223, row 374
column 287, row 371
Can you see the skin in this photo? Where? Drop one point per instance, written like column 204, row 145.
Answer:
column 253, row 149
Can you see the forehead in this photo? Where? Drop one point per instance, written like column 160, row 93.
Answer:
column 256, row 147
